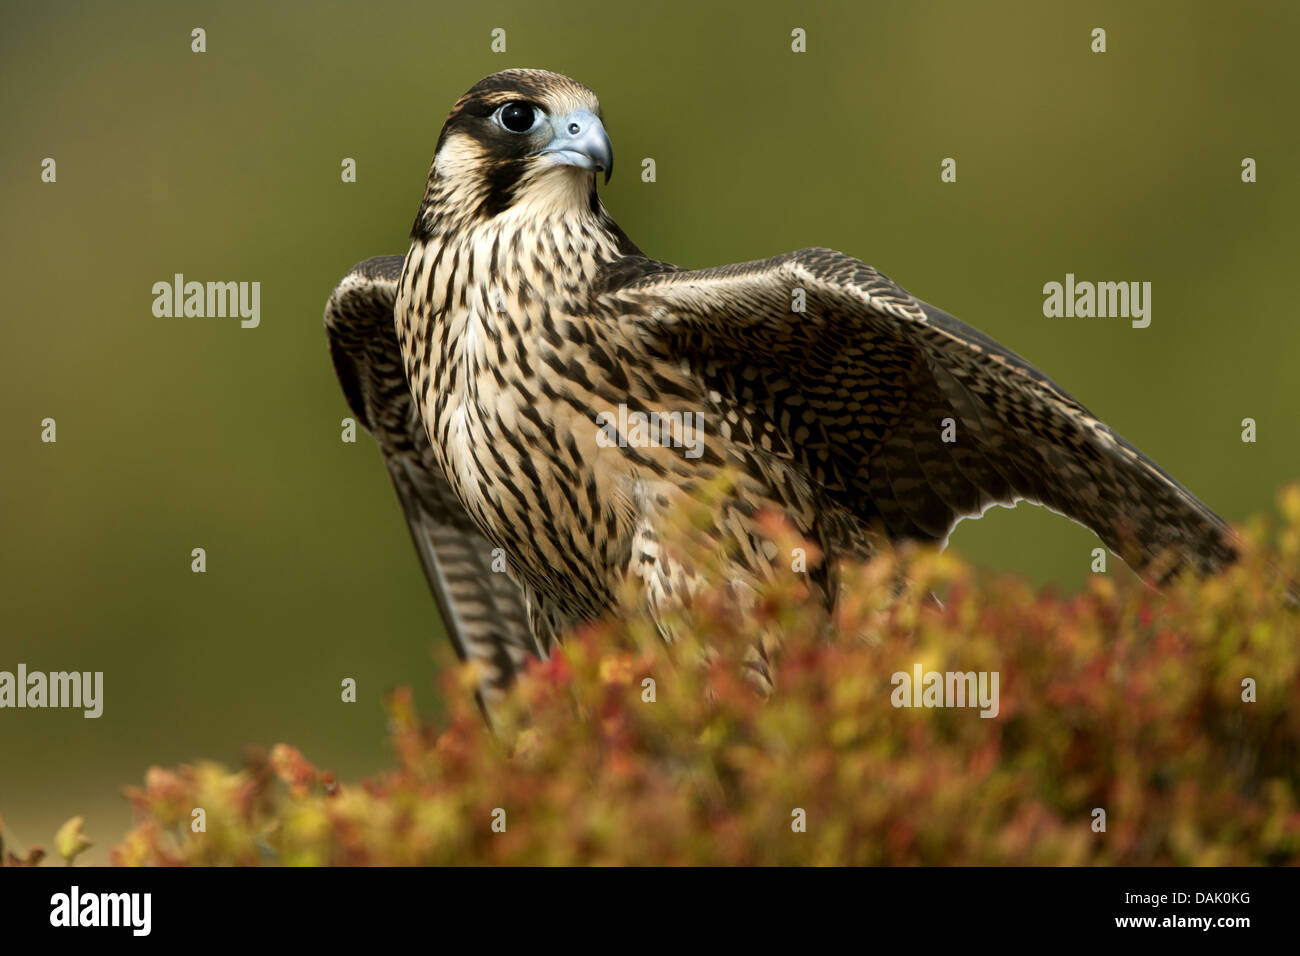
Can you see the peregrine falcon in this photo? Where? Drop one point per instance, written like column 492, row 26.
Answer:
column 530, row 377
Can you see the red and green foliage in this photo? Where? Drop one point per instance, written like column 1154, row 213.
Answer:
column 1120, row 698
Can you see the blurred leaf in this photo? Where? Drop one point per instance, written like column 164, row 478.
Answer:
column 70, row 840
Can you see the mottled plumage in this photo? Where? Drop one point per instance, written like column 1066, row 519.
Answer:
column 483, row 611
column 522, row 313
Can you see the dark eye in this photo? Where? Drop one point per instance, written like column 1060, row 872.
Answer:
column 517, row 117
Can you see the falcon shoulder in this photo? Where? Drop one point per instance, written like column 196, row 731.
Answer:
column 483, row 611
column 905, row 416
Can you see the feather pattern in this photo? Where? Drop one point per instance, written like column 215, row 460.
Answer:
column 483, row 610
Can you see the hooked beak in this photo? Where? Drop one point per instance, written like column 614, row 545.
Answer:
column 580, row 140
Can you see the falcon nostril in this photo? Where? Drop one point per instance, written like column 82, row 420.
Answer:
column 574, row 129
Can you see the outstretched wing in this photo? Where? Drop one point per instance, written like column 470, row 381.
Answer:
column 907, row 417
column 483, row 611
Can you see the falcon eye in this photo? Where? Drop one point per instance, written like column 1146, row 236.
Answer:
column 517, row 117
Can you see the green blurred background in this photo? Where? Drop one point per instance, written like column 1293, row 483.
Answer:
column 183, row 433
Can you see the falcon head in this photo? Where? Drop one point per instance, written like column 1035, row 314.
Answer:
column 519, row 138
